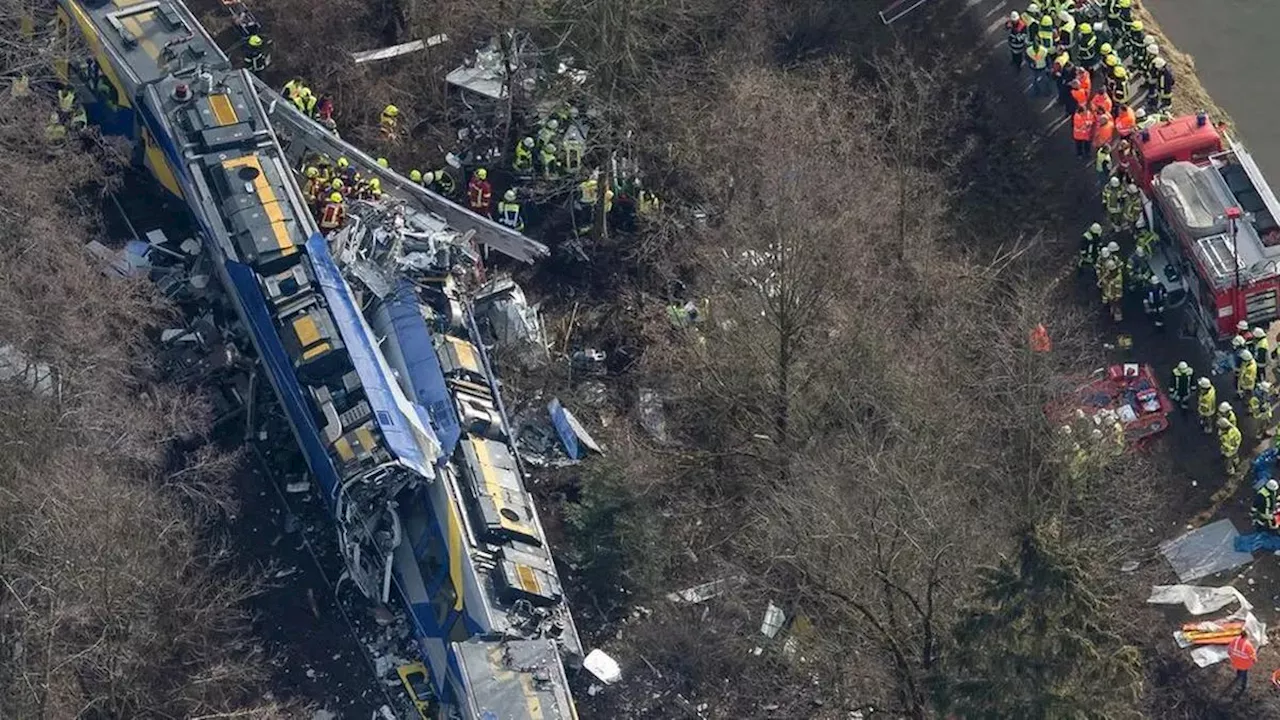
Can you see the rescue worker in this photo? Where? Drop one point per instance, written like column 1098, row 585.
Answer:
column 1104, row 129
column 1226, row 412
column 1118, row 85
column 1134, row 32
column 333, row 214
column 304, row 100
column 373, row 189
column 1261, row 351
column 646, row 202
column 442, row 183
column 55, row 130
column 1113, row 202
column 346, row 171
column 522, row 161
column 1141, row 56
column 1163, row 82
column 388, row 123
column 1101, row 103
column 1124, row 16
column 1102, row 31
column 315, row 184
column 1247, row 375
column 1082, row 130
column 480, row 193
column 1102, row 161
column 1260, row 404
column 1206, row 404
column 1180, row 385
column 1044, row 32
column 1111, row 282
column 1090, row 244
column 1038, row 61
column 509, row 212
column 1132, row 209
column 1126, row 121
column 291, row 88
column 1263, row 509
column 550, row 160
column 1153, row 302
column 1139, row 272
column 1243, row 655
column 1066, row 39
column 1087, row 47
column 256, row 57
column 336, row 185
column 324, row 109
column 1147, row 239
column 574, row 146
column 548, row 133
column 1229, row 440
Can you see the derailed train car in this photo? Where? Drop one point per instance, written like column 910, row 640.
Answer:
column 414, row 462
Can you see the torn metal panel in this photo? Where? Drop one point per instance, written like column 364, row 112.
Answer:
column 305, row 137
column 387, row 53
column 705, row 591
column 511, row 320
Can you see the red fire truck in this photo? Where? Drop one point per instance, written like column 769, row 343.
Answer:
column 1208, row 200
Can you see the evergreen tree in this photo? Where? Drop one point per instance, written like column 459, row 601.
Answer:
column 1035, row 644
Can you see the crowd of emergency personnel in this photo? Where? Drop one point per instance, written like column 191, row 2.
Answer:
column 1093, row 54
column 549, row 155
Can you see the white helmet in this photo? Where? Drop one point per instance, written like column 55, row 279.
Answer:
column 1204, row 383
column 1237, row 342
column 1159, row 63
column 1111, row 264
column 1096, row 229
column 1243, row 326
column 1013, row 16
column 1065, row 430
column 1153, row 48
column 1105, row 253
column 1246, row 356
column 1272, row 485
column 509, row 196
column 553, row 124
column 1224, row 407
column 1096, row 434
column 1148, row 40
column 1155, row 280
column 428, row 177
column 1264, row 386
column 1139, row 252
column 1033, row 9
column 1098, row 26
column 527, row 142
column 1113, row 246
column 1131, row 188
column 1140, row 113
column 1183, row 366
column 1063, row 15
column 1259, row 333
column 1114, row 182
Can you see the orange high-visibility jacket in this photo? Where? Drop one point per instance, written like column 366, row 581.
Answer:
column 1082, row 124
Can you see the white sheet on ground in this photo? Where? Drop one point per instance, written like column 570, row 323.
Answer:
column 1204, row 551
column 1201, row 600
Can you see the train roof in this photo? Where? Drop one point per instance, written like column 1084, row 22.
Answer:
column 148, row 39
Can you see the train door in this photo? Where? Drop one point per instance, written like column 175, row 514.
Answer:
column 80, row 65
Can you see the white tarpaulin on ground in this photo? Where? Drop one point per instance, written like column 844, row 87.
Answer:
column 1201, row 600
column 1204, row 551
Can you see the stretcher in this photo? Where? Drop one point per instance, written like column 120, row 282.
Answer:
column 1130, row 391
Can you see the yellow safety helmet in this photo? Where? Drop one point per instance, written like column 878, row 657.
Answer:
column 1046, row 20
column 1113, row 60
column 312, row 171
column 382, row 162
column 1120, row 72
column 482, row 174
column 1136, row 26
column 336, row 184
column 375, row 184
column 415, row 175
column 391, row 110
column 1106, row 49
column 1125, row 3
column 255, row 41
column 335, row 197
column 344, row 163
column 1086, row 29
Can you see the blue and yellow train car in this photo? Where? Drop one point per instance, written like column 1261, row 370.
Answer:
column 402, row 428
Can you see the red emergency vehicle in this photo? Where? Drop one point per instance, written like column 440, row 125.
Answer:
column 1207, row 198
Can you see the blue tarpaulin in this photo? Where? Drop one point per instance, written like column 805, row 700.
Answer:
column 1254, row 542
column 385, row 398
column 423, row 366
column 568, row 438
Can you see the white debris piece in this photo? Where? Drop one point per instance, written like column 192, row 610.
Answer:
column 605, row 668
column 774, row 619
column 391, row 51
column 705, row 591
column 15, row 366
